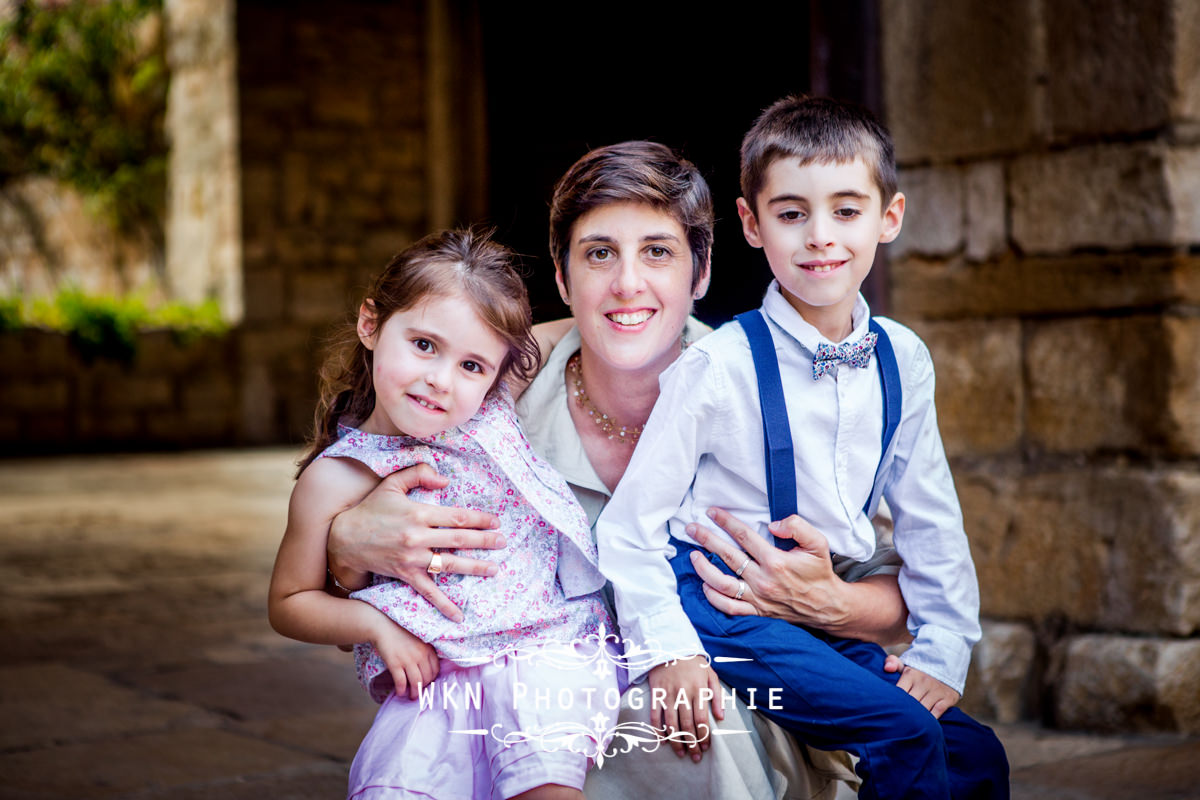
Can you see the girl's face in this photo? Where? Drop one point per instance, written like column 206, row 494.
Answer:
column 629, row 284
column 432, row 368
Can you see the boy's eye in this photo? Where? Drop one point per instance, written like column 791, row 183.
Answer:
column 424, row 345
column 847, row 213
column 791, row 215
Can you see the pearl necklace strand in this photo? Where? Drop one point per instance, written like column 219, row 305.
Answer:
column 622, row 433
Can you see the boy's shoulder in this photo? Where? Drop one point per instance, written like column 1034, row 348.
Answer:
column 725, row 348
column 909, row 348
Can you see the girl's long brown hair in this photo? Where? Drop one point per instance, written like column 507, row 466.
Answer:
column 464, row 263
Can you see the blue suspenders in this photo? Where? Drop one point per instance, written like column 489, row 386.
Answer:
column 777, row 433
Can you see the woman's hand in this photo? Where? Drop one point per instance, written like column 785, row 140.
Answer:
column 389, row 534
column 412, row 662
column 701, row 688
column 797, row 585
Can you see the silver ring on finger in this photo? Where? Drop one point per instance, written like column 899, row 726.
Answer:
column 741, row 590
column 742, row 568
column 435, row 564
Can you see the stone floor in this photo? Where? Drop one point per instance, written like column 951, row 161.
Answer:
column 137, row 661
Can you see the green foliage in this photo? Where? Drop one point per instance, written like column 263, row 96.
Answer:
column 102, row 326
column 82, row 98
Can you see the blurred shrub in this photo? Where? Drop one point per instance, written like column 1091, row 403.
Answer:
column 103, row 326
column 83, row 87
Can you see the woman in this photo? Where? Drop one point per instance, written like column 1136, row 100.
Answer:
column 630, row 236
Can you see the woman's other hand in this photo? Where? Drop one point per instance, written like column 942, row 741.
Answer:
column 797, row 585
column 389, row 534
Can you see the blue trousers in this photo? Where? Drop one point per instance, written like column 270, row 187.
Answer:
column 833, row 694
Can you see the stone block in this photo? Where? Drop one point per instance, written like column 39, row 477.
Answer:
column 264, row 292
column 40, row 395
column 207, row 426
column 1186, row 103
column 1114, row 196
column 1182, row 412
column 300, row 246
column 378, row 247
column 1095, row 383
column 343, row 103
column 404, row 152
column 135, row 392
column 209, row 392
column 1114, row 683
column 1183, row 181
column 961, row 77
column 1112, row 548
column 1013, row 286
column 10, row 428
column 1153, row 575
column 295, row 186
column 1000, row 685
column 317, row 297
column 986, row 204
column 257, row 418
column 1109, row 66
column 1040, row 547
column 407, row 200
column 37, row 354
column 933, row 214
column 987, row 499
column 259, row 195
column 166, row 427
column 110, row 426
column 979, row 384
column 48, row 432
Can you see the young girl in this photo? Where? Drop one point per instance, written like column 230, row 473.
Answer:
column 442, row 331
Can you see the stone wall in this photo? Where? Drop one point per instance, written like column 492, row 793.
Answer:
column 1050, row 154
column 334, row 181
column 171, row 394
column 302, row 160
column 49, row 239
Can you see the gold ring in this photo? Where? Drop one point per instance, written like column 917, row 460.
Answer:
column 741, row 590
column 435, row 564
column 742, row 568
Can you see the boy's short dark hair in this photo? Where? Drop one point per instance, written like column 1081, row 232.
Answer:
column 821, row 130
column 634, row 172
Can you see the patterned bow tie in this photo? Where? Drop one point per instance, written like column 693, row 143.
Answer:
column 856, row 354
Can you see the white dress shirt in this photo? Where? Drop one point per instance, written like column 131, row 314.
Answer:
column 703, row 446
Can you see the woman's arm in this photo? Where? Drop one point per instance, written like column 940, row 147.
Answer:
column 389, row 534
column 798, row 585
column 547, row 335
column 297, row 603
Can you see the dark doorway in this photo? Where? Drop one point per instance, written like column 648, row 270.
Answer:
column 565, row 78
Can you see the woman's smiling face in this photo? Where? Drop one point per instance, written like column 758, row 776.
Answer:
column 629, row 283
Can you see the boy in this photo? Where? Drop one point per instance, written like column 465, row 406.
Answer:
column 819, row 195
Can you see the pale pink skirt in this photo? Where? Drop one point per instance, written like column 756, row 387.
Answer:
column 488, row 732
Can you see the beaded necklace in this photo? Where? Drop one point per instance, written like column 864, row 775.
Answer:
column 614, row 430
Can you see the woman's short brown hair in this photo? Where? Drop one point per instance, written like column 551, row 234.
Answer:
column 634, row 172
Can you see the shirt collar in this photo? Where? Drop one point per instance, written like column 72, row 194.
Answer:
column 780, row 311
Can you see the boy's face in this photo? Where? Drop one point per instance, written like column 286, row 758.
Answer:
column 819, row 225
